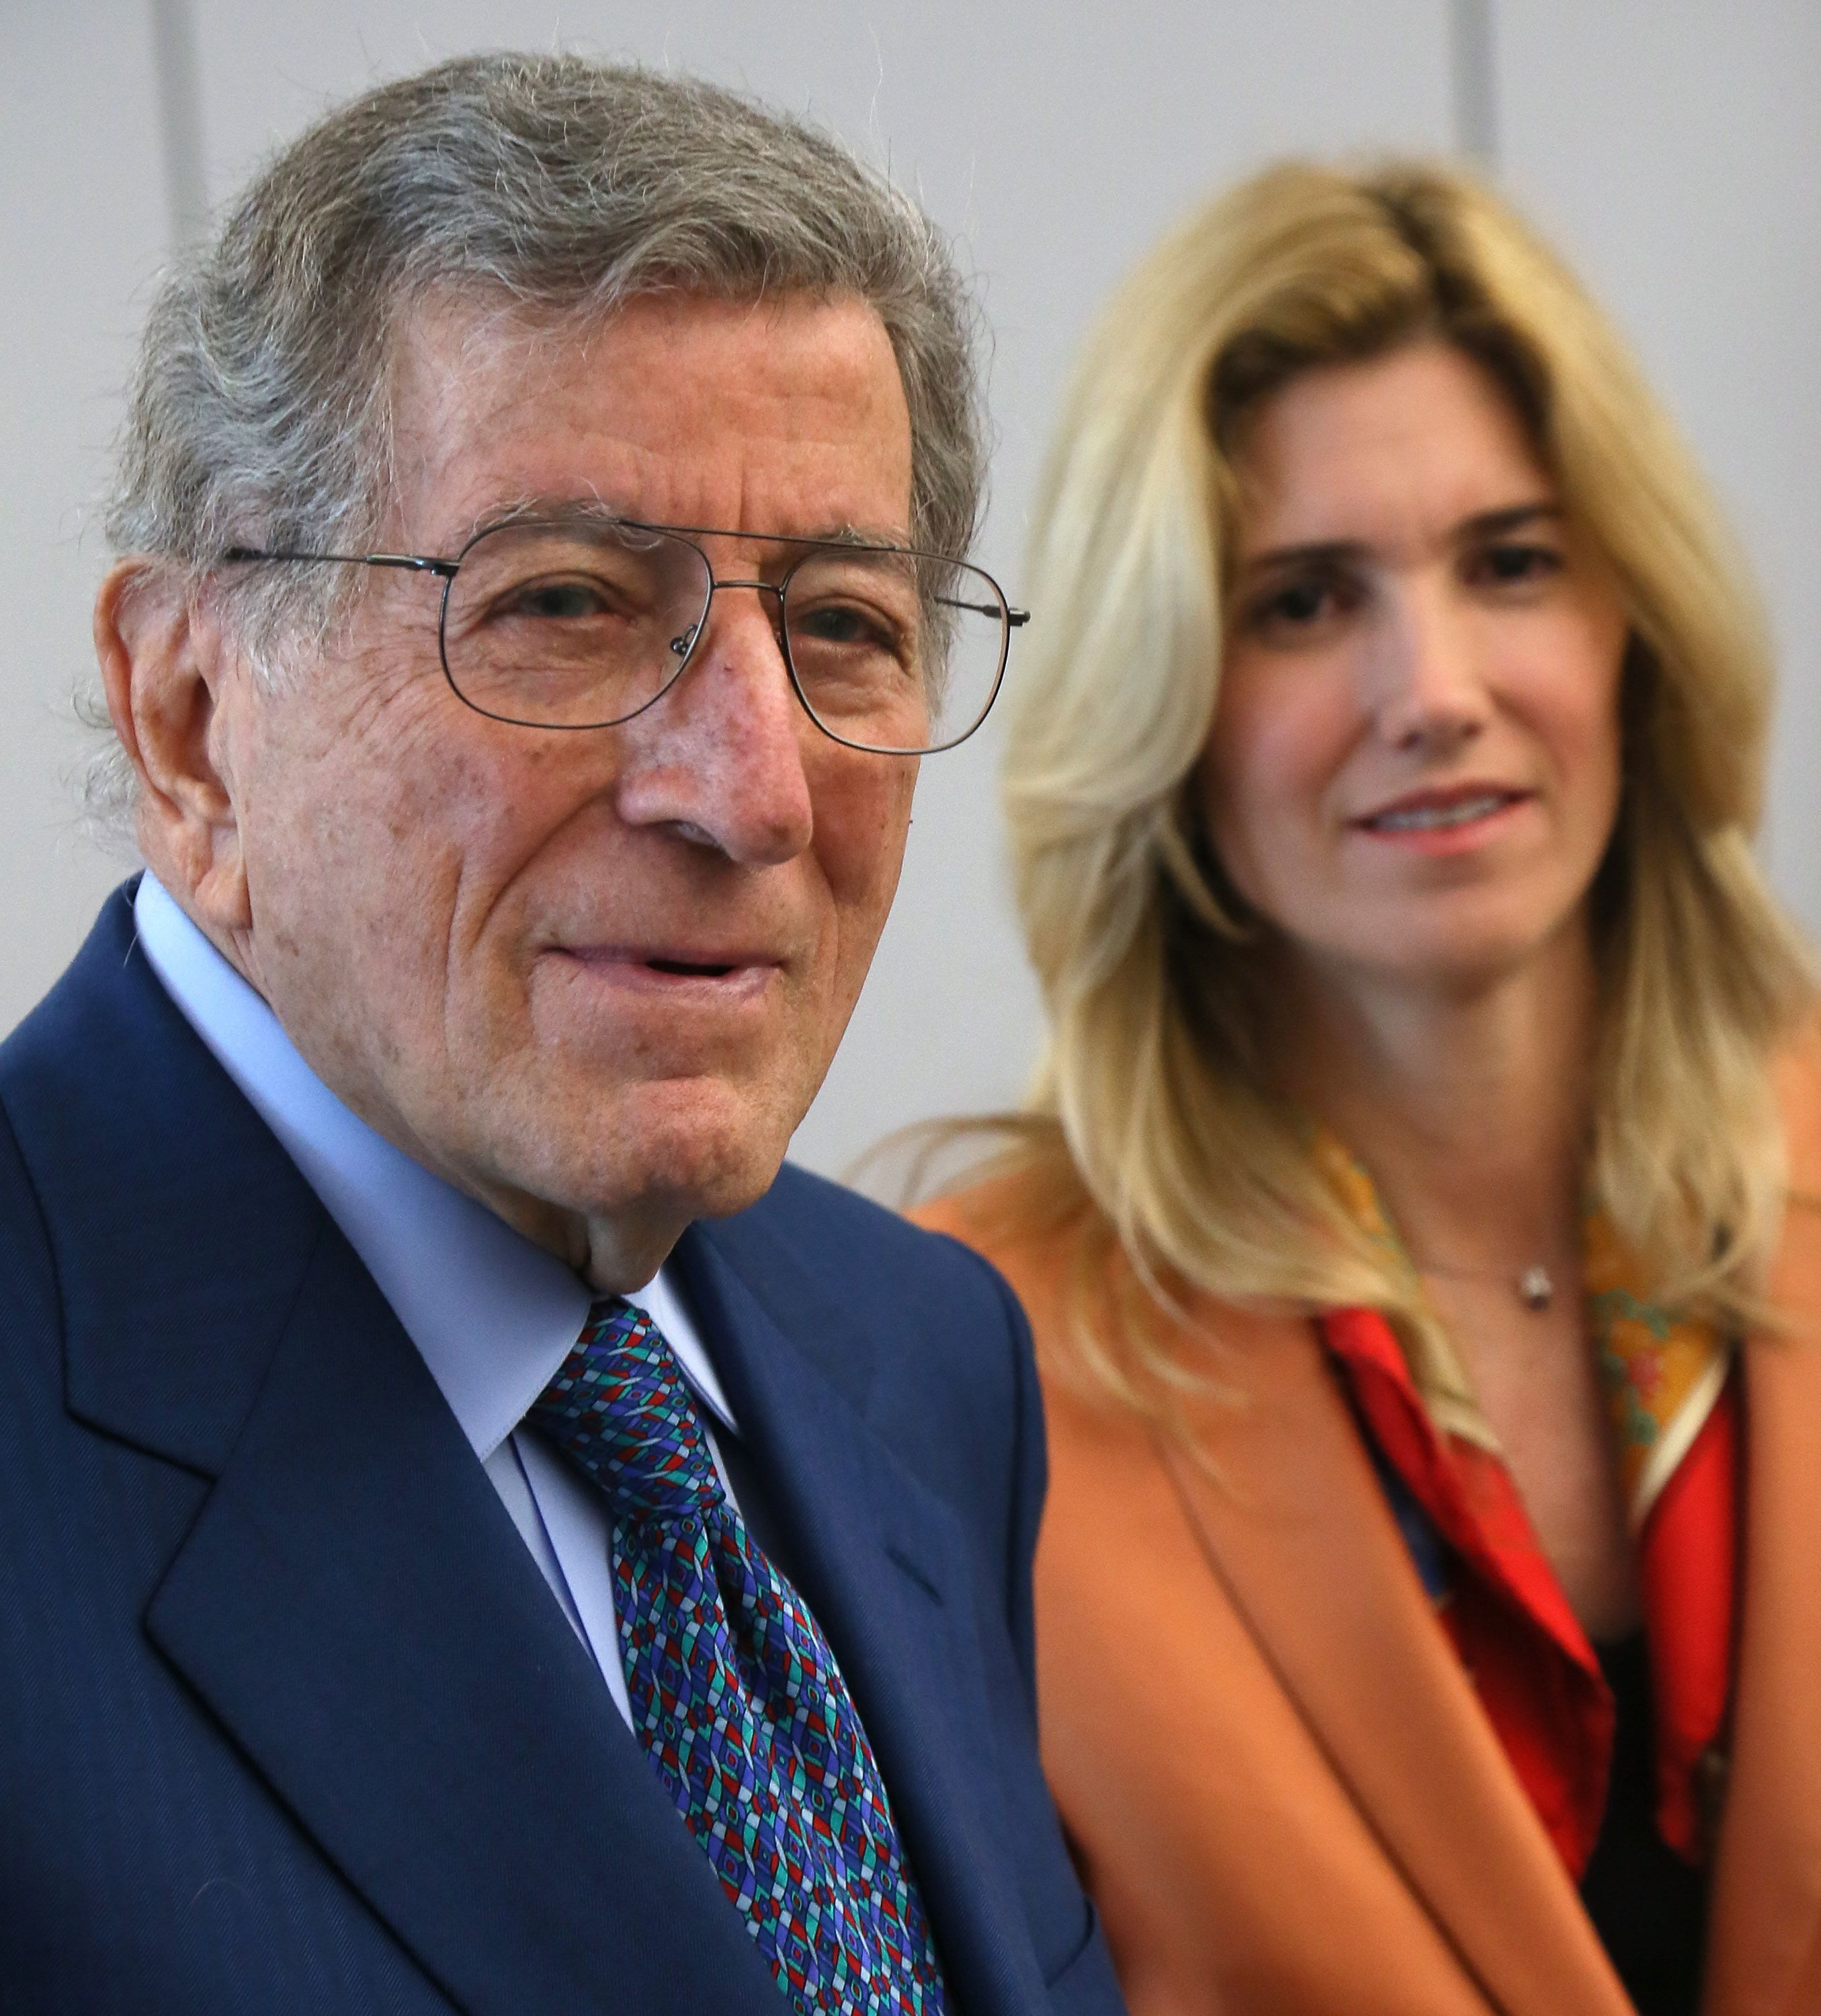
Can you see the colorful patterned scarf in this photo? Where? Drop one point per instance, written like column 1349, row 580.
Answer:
column 1672, row 1398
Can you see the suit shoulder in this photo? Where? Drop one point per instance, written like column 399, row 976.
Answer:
column 27, row 1272
column 919, row 1333
column 853, row 1245
column 1037, row 1228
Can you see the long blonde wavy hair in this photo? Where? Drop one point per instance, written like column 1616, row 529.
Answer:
column 1151, row 1108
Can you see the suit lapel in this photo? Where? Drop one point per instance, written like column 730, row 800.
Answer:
column 1765, row 1941
column 357, row 1609
column 352, row 1602
column 1296, row 1528
column 179, row 1228
column 882, row 1563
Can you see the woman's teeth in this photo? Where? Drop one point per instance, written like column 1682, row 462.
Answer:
column 1429, row 819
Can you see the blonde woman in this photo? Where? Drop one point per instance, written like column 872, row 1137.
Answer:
column 1411, row 1211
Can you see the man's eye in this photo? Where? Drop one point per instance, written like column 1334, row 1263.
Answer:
column 554, row 601
column 842, row 625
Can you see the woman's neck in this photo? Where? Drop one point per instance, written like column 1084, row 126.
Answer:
column 1468, row 1104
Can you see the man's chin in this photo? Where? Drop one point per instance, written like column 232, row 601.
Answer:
column 700, row 1152
column 687, row 1184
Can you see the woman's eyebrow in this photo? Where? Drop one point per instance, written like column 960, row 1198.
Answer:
column 1319, row 552
column 1339, row 552
column 1509, row 518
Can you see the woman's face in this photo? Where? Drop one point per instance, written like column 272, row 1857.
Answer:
column 1414, row 769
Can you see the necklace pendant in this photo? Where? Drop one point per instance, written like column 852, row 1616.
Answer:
column 1536, row 1289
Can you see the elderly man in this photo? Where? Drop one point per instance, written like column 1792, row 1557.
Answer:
column 477, row 1536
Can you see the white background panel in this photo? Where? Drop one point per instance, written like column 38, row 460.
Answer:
column 1673, row 150
column 1671, row 147
column 82, row 227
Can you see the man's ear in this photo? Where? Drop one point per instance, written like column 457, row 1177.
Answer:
column 168, row 667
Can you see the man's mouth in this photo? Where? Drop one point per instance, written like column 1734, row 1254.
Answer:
column 696, row 968
column 739, row 969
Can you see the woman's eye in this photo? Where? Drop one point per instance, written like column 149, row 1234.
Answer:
column 1297, row 608
column 1512, row 565
column 1301, row 604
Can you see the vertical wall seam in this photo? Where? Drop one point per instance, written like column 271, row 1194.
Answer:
column 1472, row 33
column 179, row 119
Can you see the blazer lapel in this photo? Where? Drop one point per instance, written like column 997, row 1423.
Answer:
column 881, row 1560
column 1765, row 1929
column 1296, row 1527
column 358, row 1609
column 352, row 1601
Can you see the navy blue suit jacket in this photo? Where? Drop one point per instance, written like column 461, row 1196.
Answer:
column 288, row 1718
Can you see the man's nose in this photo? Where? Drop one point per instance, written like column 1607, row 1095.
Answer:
column 721, row 755
column 1428, row 687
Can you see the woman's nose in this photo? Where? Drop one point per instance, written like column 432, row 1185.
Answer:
column 1429, row 688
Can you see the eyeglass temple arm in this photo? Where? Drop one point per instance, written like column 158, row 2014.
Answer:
column 416, row 562
column 1016, row 619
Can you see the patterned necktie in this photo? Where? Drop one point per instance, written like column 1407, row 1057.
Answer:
column 734, row 1693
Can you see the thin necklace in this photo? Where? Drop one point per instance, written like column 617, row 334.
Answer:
column 1534, row 1285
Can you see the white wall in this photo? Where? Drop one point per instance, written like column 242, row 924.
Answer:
column 1673, row 148
column 82, row 226
column 1670, row 144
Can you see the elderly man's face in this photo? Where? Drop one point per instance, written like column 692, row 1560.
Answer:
column 593, row 976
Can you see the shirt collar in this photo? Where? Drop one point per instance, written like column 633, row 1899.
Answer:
column 492, row 1313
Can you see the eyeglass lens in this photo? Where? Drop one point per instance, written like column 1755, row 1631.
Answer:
column 574, row 626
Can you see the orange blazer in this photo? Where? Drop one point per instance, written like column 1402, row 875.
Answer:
column 1282, row 1791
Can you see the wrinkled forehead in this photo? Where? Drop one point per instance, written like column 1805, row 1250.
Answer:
column 785, row 415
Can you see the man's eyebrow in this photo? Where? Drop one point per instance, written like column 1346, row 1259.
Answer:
column 1336, row 553
column 586, row 507
column 509, row 511
column 850, row 535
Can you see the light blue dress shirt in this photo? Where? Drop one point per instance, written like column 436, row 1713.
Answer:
column 493, row 1314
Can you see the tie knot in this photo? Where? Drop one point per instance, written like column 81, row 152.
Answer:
column 619, row 1409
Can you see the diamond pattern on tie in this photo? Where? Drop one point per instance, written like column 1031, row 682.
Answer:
column 735, row 1692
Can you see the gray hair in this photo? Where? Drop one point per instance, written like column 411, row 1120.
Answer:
column 551, row 185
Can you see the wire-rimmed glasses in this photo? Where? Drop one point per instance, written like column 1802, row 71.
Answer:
column 583, row 621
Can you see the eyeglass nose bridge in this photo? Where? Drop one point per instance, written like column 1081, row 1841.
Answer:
column 684, row 643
